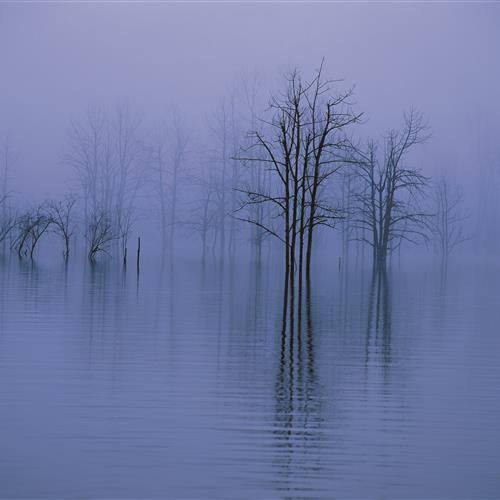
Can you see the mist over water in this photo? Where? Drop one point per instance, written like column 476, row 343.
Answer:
column 249, row 250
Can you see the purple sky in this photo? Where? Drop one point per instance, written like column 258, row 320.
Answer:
column 59, row 58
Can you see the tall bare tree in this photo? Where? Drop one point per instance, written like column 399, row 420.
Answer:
column 168, row 164
column 105, row 151
column 128, row 170
column 7, row 215
column 256, row 179
column 204, row 213
column 220, row 126
column 389, row 192
column 303, row 145
column 448, row 218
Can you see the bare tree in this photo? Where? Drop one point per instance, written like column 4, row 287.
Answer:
column 303, row 145
column 100, row 234
column 387, row 200
column 23, row 225
column 90, row 154
column 8, row 223
column 178, row 159
column 168, row 159
column 60, row 215
column 220, row 126
column 348, row 232
column 105, row 151
column 128, row 160
column 204, row 213
column 32, row 225
column 448, row 218
column 7, row 216
column 158, row 164
column 257, row 178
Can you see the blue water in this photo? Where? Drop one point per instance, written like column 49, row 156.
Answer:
column 180, row 384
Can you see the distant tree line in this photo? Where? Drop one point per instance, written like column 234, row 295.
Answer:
column 289, row 169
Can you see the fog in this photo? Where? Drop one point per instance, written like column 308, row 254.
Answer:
column 249, row 249
column 59, row 58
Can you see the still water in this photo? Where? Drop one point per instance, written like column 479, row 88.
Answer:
column 180, row 384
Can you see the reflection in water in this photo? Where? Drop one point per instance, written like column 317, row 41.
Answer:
column 378, row 329
column 188, row 387
column 298, row 420
column 95, row 305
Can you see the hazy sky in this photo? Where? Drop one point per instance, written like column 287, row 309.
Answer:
column 57, row 58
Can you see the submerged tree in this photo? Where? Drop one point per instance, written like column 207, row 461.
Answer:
column 8, row 223
column 100, row 234
column 302, row 145
column 128, row 166
column 388, row 193
column 204, row 212
column 167, row 161
column 60, row 215
column 448, row 218
column 257, row 179
column 7, row 216
column 105, row 151
column 32, row 225
column 224, row 126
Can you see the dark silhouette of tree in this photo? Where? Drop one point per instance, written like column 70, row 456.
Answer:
column 100, row 234
column 388, row 192
column 302, row 144
column 60, row 215
column 32, row 225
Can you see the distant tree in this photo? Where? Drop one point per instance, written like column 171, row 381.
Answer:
column 256, row 179
column 7, row 216
column 204, row 212
column 128, row 160
column 105, row 151
column 158, row 166
column 90, row 154
column 8, row 223
column 448, row 218
column 387, row 201
column 168, row 155
column 223, row 128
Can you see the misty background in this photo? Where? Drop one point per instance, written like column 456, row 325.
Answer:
column 60, row 59
column 235, row 363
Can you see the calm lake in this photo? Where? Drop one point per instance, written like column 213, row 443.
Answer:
column 180, row 384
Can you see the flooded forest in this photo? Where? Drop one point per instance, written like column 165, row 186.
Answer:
column 236, row 268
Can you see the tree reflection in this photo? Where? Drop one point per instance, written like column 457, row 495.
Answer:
column 298, row 411
column 378, row 328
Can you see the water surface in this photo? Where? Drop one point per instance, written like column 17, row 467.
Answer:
column 180, row 384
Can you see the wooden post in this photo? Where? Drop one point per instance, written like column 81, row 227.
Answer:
column 138, row 253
